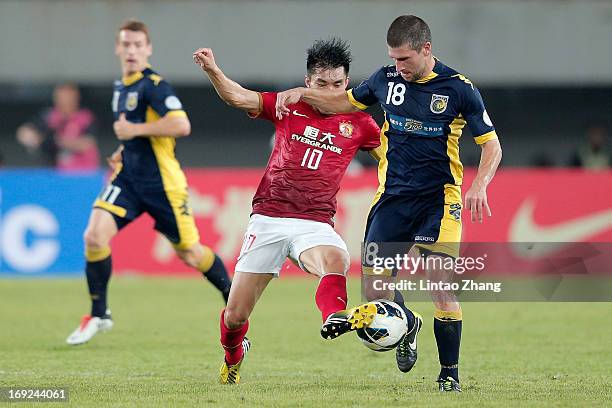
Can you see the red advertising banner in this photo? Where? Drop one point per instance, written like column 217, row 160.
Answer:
column 527, row 206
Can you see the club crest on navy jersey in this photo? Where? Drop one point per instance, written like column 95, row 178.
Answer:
column 131, row 101
column 346, row 129
column 438, row 103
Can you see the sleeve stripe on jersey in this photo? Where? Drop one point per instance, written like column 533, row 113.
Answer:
column 486, row 137
column 176, row 114
column 354, row 101
column 256, row 113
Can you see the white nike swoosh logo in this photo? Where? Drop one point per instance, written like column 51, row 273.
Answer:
column 412, row 344
column 296, row 113
column 340, row 299
column 416, row 326
column 524, row 229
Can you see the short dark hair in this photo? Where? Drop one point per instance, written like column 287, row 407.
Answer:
column 134, row 25
column 326, row 54
column 410, row 30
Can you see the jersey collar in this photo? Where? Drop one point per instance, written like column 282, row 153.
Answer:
column 135, row 77
column 431, row 75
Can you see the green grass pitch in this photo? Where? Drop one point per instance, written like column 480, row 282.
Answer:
column 164, row 350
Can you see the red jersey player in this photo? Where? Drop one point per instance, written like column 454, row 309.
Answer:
column 295, row 202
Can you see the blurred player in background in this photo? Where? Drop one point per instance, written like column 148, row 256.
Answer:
column 593, row 153
column 147, row 178
column 426, row 106
column 295, row 202
column 63, row 135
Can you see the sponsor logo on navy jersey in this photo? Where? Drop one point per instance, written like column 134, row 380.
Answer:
column 413, row 126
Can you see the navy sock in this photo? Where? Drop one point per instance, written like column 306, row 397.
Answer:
column 217, row 275
column 399, row 299
column 98, row 274
column 448, row 339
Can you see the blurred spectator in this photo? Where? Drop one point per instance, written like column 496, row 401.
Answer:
column 62, row 135
column 593, row 153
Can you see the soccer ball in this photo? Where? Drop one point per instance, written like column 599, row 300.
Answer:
column 387, row 329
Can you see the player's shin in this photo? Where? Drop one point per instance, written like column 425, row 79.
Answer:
column 98, row 272
column 447, row 329
column 331, row 294
column 213, row 269
column 399, row 299
column 231, row 340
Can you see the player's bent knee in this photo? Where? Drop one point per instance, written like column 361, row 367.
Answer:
column 447, row 305
column 94, row 238
column 198, row 256
column 189, row 257
column 336, row 262
column 235, row 318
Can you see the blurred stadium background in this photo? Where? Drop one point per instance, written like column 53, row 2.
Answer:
column 544, row 69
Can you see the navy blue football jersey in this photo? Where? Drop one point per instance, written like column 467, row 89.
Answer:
column 149, row 161
column 423, row 123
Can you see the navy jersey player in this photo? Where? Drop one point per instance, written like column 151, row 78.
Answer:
column 147, row 178
column 427, row 106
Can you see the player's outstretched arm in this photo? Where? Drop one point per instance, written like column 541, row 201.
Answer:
column 229, row 91
column 327, row 100
column 476, row 196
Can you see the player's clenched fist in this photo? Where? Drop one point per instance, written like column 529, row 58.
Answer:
column 123, row 129
column 286, row 98
column 204, row 58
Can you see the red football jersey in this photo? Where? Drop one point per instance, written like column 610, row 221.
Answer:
column 310, row 155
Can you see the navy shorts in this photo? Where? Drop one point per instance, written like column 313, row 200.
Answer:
column 432, row 222
column 170, row 209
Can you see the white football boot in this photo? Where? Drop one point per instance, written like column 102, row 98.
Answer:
column 89, row 327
